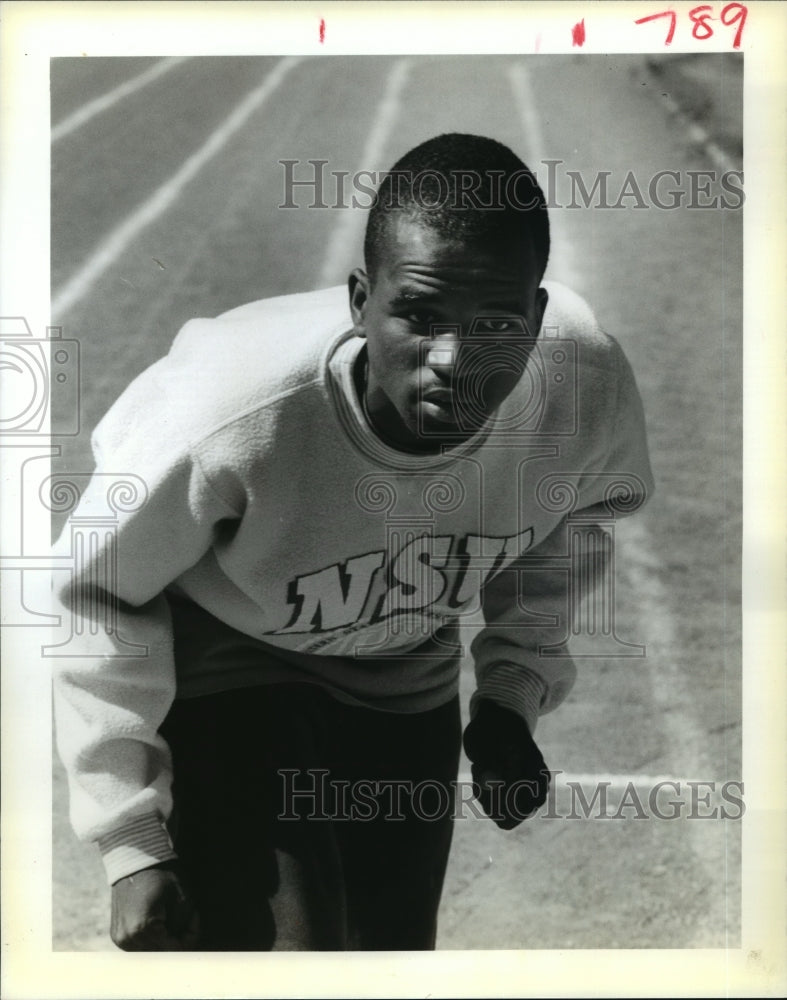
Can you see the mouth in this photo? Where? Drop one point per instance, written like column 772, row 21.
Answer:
column 440, row 405
column 440, row 397
column 454, row 406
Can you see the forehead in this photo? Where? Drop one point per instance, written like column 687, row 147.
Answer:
column 416, row 254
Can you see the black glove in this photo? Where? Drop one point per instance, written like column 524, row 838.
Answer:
column 510, row 778
column 151, row 911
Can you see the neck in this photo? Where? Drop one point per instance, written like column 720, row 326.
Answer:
column 375, row 417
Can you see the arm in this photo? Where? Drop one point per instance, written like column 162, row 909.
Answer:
column 523, row 669
column 114, row 686
column 526, row 612
column 525, row 608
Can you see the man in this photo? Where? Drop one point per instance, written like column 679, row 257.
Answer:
column 328, row 493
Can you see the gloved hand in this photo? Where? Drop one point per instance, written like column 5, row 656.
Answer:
column 151, row 911
column 510, row 778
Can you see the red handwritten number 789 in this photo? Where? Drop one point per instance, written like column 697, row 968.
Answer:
column 731, row 14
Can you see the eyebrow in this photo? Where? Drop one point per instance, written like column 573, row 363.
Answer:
column 406, row 297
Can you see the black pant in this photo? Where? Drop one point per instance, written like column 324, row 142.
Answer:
column 354, row 865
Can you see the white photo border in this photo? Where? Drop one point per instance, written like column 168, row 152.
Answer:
column 34, row 32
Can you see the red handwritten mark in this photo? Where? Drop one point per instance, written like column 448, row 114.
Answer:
column 322, row 30
column 578, row 33
column 538, row 42
column 700, row 17
column 665, row 13
column 736, row 12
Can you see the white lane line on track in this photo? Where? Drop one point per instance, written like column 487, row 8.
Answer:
column 103, row 103
column 699, row 136
column 671, row 693
column 667, row 679
column 338, row 256
column 108, row 251
column 561, row 264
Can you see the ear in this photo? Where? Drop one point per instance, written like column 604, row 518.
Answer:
column 542, row 298
column 359, row 288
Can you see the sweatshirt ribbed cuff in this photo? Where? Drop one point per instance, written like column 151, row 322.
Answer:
column 514, row 687
column 138, row 844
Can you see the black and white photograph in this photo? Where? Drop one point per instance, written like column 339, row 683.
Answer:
column 390, row 454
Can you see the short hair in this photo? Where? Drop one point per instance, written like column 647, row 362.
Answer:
column 466, row 188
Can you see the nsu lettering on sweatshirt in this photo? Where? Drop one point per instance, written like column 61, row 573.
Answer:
column 425, row 570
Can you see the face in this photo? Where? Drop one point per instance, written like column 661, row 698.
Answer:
column 449, row 328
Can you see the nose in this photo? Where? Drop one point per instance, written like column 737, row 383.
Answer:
column 442, row 352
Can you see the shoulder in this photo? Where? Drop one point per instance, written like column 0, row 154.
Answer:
column 277, row 335
column 251, row 355
column 567, row 309
column 578, row 379
column 568, row 317
column 219, row 369
column 281, row 308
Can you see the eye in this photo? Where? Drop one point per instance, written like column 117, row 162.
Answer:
column 421, row 318
column 496, row 326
